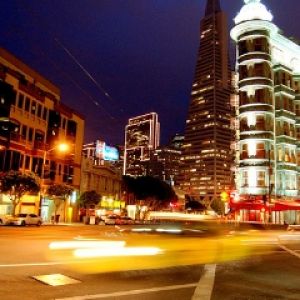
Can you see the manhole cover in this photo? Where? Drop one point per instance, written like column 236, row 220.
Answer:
column 56, row 279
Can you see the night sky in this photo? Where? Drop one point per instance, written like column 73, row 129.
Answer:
column 115, row 59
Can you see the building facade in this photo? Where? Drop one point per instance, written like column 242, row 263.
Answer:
column 268, row 64
column 142, row 136
column 33, row 122
column 164, row 164
column 99, row 173
column 207, row 155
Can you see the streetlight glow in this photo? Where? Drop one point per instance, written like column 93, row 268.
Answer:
column 63, row 147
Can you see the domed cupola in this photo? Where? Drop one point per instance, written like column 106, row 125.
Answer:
column 253, row 10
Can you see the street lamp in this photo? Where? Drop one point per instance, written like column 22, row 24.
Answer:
column 61, row 147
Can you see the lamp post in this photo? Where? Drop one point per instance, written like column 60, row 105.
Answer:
column 62, row 147
column 270, row 188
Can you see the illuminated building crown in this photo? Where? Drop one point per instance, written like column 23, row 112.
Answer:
column 253, row 10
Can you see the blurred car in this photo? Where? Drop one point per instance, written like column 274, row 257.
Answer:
column 4, row 219
column 25, row 219
column 124, row 220
column 111, row 220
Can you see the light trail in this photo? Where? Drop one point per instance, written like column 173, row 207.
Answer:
column 112, row 252
column 85, row 244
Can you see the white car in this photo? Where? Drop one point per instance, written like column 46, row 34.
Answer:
column 124, row 220
column 4, row 219
column 25, row 219
column 111, row 220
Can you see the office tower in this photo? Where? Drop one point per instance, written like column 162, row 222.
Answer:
column 268, row 64
column 33, row 123
column 164, row 164
column 207, row 156
column 142, row 136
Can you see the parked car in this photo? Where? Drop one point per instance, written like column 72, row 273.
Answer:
column 111, row 220
column 25, row 219
column 4, row 219
column 124, row 220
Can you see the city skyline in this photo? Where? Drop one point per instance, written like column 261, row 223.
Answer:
column 142, row 53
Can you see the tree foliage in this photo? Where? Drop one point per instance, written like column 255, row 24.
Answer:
column 152, row 190
column 218, row 206
column 194, row 205
column 17, row 185
column 58, row 193
column 89, row 198
column 61, row 191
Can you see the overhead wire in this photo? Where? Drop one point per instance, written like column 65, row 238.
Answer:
column 76, row 61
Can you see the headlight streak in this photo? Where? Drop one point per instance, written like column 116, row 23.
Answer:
column 86, row 244
column 141, row 229
column 168, row 230
column 113, row 252
column 90, row 249
column 260, row 242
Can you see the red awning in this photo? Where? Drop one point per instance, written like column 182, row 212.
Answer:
column 247, row 205
column 259, row 205
column 286, row 205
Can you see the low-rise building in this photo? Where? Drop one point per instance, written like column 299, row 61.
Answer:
column 33, row 122
column 99, row 173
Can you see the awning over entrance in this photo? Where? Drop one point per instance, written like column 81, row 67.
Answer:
column 277, row 205
column 286, row 205
column 247, row 205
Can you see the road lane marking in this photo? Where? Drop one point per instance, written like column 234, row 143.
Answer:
column 289, row 237
column 290, row 251
column 35, row 264
column 206, row 283
column 132, row 292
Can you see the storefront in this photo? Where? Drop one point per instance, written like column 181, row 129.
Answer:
column 278, row 212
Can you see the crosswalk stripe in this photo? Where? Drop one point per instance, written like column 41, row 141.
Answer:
column 290, row 251
column 132, row 292
column 206, row 283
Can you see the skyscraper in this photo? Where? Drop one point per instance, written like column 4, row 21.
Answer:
column 142, row 136
column 268, row 63
column 206, row 154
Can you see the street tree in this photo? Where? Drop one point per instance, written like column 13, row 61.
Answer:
column 89, row 199
column 59, row 193
column 17, row 185
column 194, row 205
column 150, row 190
column 218, row 206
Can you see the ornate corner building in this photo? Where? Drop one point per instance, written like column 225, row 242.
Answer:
column 268, row 66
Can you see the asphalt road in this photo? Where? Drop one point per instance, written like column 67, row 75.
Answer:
column 229, row 265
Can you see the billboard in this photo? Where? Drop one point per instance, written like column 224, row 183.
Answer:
column 105, row 152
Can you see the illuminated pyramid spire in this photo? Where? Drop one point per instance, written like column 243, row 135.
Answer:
column 212, row 6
